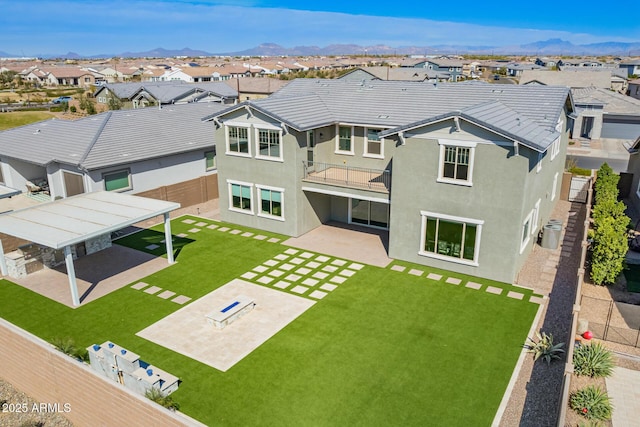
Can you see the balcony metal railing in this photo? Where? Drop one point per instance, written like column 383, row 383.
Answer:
column 348, row 176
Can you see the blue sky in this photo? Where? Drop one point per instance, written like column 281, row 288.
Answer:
column 90, row 27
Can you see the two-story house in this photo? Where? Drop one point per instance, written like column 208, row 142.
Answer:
column 461, row 176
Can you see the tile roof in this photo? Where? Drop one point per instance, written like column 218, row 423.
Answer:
column 112, row 138
column 522, row 112
column 612, row 102
column 169, row 91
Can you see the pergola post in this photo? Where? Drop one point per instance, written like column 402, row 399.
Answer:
column 3, row 261
column 168, row 238
column 71, row 273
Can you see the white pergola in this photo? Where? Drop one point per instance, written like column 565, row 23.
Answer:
column 66, row 222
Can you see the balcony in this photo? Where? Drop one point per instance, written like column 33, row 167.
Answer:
column 347, row 176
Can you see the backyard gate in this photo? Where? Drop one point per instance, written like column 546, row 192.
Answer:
column 578, row 189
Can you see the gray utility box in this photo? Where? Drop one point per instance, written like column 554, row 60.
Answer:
column 551, row 234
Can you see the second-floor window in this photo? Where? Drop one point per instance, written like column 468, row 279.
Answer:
column 237, row 140
column 345, row 140
column 456, row 163
column 373, row 144
column 269, row 144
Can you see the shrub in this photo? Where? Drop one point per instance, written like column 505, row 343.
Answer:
column 162, row 399
column 73, row 109
column 593, row 360
column 592, row 403
column 544, row 348
column 65, row 345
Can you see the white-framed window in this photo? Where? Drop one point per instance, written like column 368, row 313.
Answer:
column 344, row 140
column 119, row 180
column 555, row 148
column 238, row 141
column 539, row 165
column 240, row 197
column 450, row 238
column 271, row 200
column 373, row 144
column 210, row 160
column 553, row 188
column 369, row 213
column 526, row 231
column 269, row 144
column 456, row 162
column 536, row 217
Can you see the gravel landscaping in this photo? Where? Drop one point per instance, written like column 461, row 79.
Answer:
column 18, row 409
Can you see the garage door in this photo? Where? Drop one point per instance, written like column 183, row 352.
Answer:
column 620, row 127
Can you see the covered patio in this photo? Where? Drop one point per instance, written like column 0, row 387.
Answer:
column 61, row 224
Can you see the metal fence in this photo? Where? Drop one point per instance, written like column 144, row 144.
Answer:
column 612, row 321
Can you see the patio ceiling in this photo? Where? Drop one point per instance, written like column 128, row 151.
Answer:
column 76, row 219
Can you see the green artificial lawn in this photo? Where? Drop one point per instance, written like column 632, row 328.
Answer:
column 384, row 348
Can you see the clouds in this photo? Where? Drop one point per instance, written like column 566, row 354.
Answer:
column 91, row 27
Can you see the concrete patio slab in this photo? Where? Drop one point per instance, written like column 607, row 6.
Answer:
column 623, row 388
column 361, row 244
column 187, row 332
column 97, row 274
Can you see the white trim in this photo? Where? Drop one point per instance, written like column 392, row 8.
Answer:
column 539, row 164
column 337, row 146
column 227, row 145
column 555, row 148
column 257, row 144
column 464, row 144
column 347, row 195
column 536, row 217
column 365, row 149
column 555, row 184
column 230, row 196
column 423, row 236
column 259, row 207
column 527, row 238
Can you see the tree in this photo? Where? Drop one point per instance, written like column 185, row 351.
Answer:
column 114, row 103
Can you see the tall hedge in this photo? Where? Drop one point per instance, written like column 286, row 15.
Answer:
column 610, row 229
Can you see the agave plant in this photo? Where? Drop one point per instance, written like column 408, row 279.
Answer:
column 592, row 403
column 544, row 348
column 162, row 399
column 593, row 360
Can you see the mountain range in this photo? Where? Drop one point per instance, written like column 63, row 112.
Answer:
column 540, row 48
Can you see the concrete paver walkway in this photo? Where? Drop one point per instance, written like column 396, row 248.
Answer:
column 623, row 388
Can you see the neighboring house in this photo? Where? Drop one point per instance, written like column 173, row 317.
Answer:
column 392, row 73
column 515, row 69
column 69, row 76
column 189, row 74
column 575, row 78
column 601, row 113
column 634, row 89
column 633, row 167
column 168, row 153
column 141, row 95
column 461, row 176
column 546, row 62
column 255, row 87
column 632, row 67
column 451, row 66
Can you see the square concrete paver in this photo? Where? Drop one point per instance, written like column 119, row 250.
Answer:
column 287, row 267
column 247, row 234
column 322, row 258
column 182, row 235
column 473, row 285
column 140, row 285
column 296, row 261
column 515, row 295
column 151, row 247
column 281, row 284
column 166, row 294
column 347, row 273
column 188, row 221
column 328, row 287
column 259, row 237
column 338, row 279
column 536, row 300
column 299, row 289
column 356, row 266
column 236, row 231
column 310, row 282
column 276, row 273
column 291, row 251
column 320, row 275
column 453, row 280
column 273, row 240
column 249, row 275
column 181, row 299
column 224, row 229
column 201, row 224
column 303, row 271
column 260, row 269
column 212, row 226
column 338, row 262
column 317, row 294
column 187, row 332
column 293, row 277
column 415, row 272
column 194, row 230
column 306, row 255
column 265, row 280
column 313, row 264
column 494, row 290
column 152, row 290
column 623, row 387
column 281, row 257
column 271, row 262
column 434, row 276
column 399, row 268
column 329, row 268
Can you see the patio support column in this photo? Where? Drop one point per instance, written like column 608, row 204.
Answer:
column 3, row 261
column 168, row 238
column 71, row 273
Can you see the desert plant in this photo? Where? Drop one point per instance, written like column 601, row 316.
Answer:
column 592, row 403
column 65, row 345
column 544, row 348
column 162, row 399
column 593, row 360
